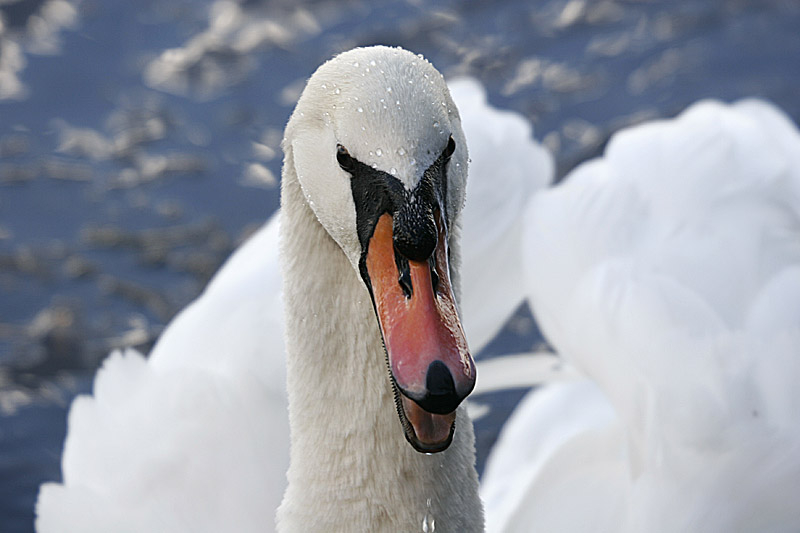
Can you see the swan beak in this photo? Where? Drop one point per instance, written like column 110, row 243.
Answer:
column 430, row 364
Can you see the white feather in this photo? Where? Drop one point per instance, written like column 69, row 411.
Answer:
column 668, row 272
column 195, row 438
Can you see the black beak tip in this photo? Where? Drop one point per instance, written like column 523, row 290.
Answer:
column 440, row 395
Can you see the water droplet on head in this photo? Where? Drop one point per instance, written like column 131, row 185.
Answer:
column 388, row 89
column 360, row 109
column 435, row 124
column 324, row 86
column 401, row 151
column 372, row 62
column 355, row 64
column 337, row 90
column 393, row 171
column 379, row 152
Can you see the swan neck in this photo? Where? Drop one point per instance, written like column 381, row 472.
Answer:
column 351, row 468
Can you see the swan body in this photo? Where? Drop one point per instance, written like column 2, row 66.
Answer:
column 196, row 437
column 668, row 273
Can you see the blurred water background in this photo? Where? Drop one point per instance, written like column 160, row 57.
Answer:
column 139, row 144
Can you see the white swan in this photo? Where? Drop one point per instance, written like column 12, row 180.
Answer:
column 195, row 438
column 668, row 272
column 375, row 204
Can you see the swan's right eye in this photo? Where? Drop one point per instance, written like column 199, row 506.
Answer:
column 344, row 158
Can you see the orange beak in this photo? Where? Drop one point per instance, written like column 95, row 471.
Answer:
column 431, row 367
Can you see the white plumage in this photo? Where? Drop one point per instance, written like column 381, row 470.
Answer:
column 668, row 272
column 195, row 438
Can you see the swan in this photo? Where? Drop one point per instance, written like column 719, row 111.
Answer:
column 667, row 272
column 370, row 219
column 195, row 437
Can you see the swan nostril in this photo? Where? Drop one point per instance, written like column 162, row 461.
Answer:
column 404, row 273
column 434, row 274
column 404, row 278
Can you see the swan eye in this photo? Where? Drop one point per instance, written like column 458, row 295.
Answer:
column 344, row 158
column 450, row 148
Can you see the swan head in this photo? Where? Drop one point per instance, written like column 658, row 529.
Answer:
column 376, row 145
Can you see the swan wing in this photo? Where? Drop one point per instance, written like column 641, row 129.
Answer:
column 196, row 437
column 507, row 167
column 666, row 271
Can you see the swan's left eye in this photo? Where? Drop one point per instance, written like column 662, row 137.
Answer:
column 450, row 148
column 344, row 158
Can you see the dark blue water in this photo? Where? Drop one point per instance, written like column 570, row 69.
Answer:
column 122, row 191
